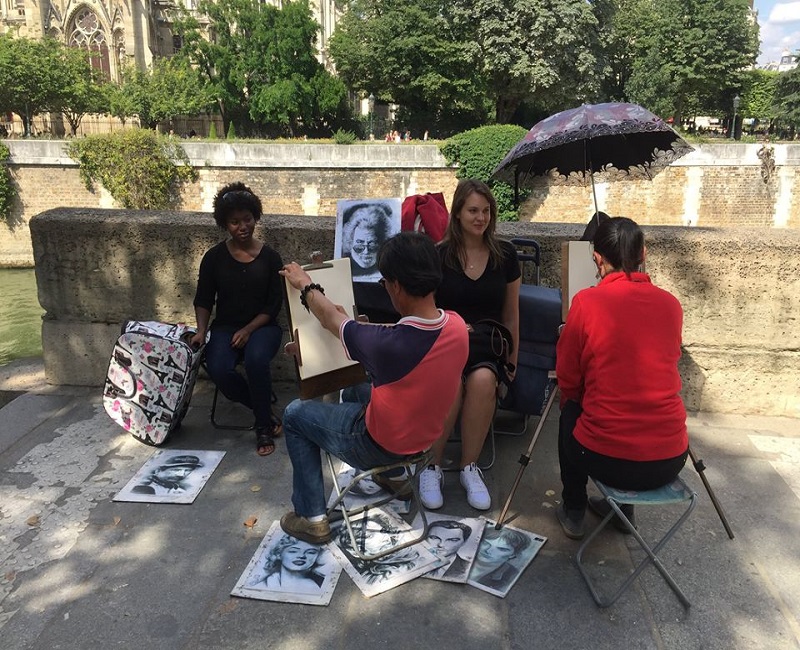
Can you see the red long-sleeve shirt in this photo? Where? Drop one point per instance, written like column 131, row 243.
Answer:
column 618, row 357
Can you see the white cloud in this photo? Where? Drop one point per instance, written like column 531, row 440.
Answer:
column 785, row 12
column 780, row 32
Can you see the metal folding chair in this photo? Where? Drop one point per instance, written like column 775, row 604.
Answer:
column 337, row 509
column 674, row 493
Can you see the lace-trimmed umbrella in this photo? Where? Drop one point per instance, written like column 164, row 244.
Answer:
column 612, row 141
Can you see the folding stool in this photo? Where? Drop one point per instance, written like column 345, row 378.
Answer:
column 336, row 510
column 670, row 494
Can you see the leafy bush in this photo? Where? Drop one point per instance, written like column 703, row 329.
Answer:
column 231, row 131
column 477, row 153
column 212, row 131
column 341, row 136
column 7, row 190
column 138, row 167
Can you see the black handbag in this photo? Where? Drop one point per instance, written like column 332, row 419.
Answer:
column 490, row 343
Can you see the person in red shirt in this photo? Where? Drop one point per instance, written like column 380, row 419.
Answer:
column 622, row 418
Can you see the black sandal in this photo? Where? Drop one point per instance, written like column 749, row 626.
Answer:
column 265, row 438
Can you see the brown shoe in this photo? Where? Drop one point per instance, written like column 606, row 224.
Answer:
column 313, row 532
column 400, row 488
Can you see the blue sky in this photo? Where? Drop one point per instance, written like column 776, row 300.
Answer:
column 780, row 28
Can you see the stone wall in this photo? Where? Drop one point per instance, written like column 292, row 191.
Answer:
column 718, row 185
column 740, row 289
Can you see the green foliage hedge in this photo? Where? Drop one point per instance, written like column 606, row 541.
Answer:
column 138, row 167
column 340, row 136
column 477, row 153
column 7, row 190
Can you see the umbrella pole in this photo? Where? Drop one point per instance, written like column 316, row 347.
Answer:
column 588, row 162
column 516, row 188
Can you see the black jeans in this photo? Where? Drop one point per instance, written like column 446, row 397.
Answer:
column 578, row 464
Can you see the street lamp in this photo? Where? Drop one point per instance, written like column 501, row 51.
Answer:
column 736, row 100
column 371, row 105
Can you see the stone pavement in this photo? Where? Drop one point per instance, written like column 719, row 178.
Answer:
column 80, row 571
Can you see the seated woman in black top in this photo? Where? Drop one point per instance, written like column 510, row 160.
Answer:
column 240, row 275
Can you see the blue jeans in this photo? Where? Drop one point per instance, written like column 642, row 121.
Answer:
column 255, row 392
column 311, row 427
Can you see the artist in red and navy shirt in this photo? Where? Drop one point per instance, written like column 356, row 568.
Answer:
column 415, row 367
column 622, row 418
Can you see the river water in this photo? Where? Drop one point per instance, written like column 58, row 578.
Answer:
column 20, row 315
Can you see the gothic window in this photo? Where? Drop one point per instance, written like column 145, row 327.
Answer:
column 88, row 33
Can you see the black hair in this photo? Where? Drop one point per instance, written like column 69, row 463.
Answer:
column 233, row 197
column 593, row 225
column 411, row 259
column 621, row 242
column 451, row 524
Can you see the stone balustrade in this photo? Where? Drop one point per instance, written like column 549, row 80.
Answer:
column 740, row 290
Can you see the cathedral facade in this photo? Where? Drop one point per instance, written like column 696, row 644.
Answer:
column 123, row 31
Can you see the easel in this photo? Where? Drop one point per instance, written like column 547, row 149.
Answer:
column 320, row 361
column 525, row 459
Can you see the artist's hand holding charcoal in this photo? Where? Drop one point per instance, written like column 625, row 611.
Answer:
column 296, row 276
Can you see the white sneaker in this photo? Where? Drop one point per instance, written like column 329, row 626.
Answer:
column 430, row 487
column 477, row 494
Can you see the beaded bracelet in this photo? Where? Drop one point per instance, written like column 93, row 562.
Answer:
column 304, row 293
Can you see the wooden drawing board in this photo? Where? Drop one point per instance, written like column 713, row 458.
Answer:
column 322, row 366
column 577, row 271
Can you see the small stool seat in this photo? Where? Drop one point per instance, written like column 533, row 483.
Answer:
column 337, row 509
column 676, row 492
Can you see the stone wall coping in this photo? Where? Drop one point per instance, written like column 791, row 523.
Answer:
column 739, row 287
column 364, row 156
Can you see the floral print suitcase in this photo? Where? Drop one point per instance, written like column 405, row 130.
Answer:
column 150, row 379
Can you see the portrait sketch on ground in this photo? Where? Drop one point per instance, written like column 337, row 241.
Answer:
column 361, row 227
column 502, row 557
column 288, row 570
column 455, row 540
column 383, row 530
column 171, row 476
column 365, row 492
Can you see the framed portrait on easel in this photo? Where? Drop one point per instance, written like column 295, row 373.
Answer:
column 362, row 225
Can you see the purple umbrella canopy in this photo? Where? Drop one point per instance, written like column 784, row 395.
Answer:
column 613, row 141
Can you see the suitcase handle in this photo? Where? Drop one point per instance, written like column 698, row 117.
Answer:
column 124, row 364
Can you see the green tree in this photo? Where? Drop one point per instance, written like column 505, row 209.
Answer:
column 79, row 93
column 259, row 63
column 760, row 94
column 787, row 97
column 30, row 76
column 691, row 53
column 170, row 87
column 412, row 55
column 531, row 48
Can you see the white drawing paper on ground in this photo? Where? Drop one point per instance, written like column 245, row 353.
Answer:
column 455, row 540
column 382, row 530
column 288, row 570
column 171, row 476
column 363, row 493
column 502, row 557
